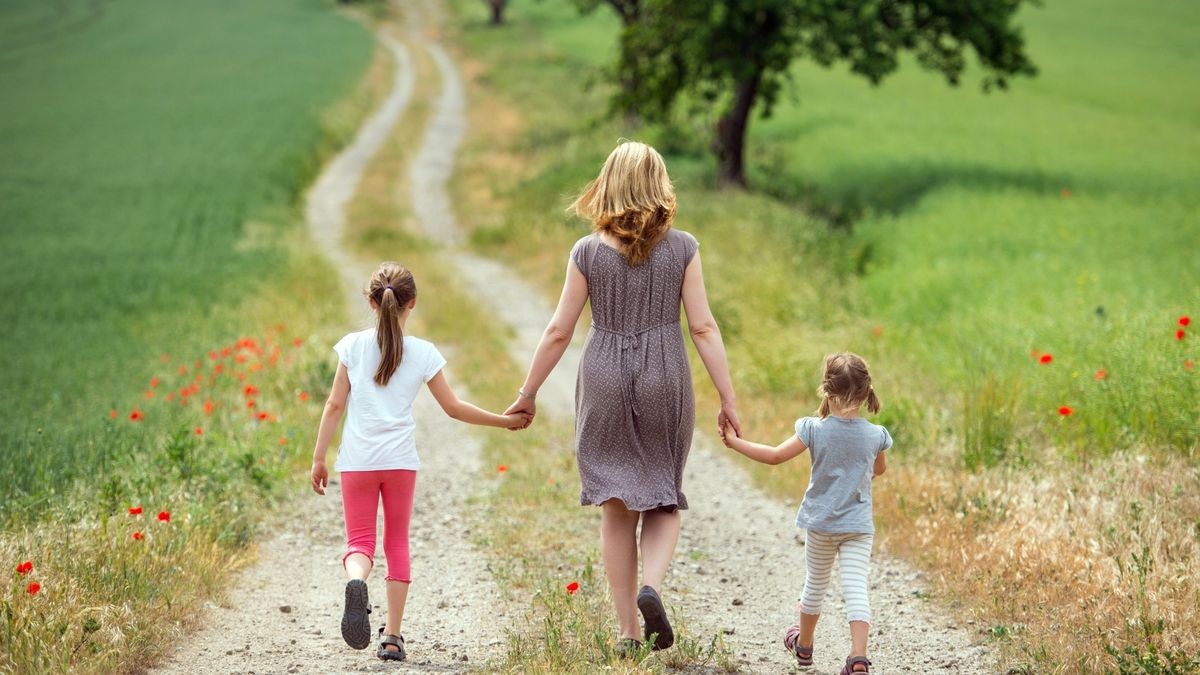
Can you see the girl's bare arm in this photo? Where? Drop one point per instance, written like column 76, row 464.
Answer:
column 469, row 412
column 766, row 454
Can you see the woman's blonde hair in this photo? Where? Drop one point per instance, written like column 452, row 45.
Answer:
column 846, row 382
column 391, row 288
column 632, row 199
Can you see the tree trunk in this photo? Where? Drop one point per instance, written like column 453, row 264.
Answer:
column 497, row 11
column 730, row 141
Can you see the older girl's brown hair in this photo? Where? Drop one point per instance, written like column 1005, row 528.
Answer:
column 632, row 199
column 846, row 382
column 391, row 288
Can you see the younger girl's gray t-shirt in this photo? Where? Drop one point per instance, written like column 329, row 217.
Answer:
column 843, row 450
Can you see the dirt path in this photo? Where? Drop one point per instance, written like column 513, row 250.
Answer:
column 283, row 613
column 739, row 567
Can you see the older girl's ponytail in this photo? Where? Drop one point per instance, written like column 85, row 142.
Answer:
column 392, row 288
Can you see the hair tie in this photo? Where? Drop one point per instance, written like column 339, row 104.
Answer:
column 389, row 288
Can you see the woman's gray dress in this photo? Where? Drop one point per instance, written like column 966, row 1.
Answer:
column 634, row 404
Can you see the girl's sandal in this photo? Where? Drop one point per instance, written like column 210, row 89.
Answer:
column 848, row 669
column 356, row 622
column 396, row 641
column 628, row 648
column 791, row 641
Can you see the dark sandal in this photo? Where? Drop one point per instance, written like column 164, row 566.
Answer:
column 356, row 620
column 791, row 641
column 848, row 669
column 396, row 641
column 655, row 617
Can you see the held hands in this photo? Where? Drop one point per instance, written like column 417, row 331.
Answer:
column 525, row 408
column 518, row 421
column 319, row 477
column 727, row 418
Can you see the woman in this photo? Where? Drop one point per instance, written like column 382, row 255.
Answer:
column 635, row 409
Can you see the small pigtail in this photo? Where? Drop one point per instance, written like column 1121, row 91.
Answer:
column 823, row 411
column 872, row 401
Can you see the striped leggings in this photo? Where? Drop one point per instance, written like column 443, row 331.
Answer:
column 854, row 553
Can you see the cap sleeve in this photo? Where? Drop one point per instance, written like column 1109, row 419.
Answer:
column 581, row 254
column 804, row 431
column 885, row 443
column 343, row 349
column 434, row 363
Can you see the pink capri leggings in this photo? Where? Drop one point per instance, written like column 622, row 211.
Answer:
column 361, row 492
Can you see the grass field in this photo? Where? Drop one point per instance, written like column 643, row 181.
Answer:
column 953, row 238
column 163, row 306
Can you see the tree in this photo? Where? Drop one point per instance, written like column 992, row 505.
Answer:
column 729, row 56
column 497, row 7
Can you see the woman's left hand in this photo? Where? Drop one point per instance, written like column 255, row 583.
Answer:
column 523, row 405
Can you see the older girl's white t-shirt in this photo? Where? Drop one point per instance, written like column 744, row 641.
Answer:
column 379, row 429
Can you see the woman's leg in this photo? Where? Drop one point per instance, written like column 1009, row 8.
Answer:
column 397, row 492
column 854, row 559
column 618, row 547
column 660, row 534
column 819, row 553
column 360, row 504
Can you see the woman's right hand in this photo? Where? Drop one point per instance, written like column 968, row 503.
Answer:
column 728, row 416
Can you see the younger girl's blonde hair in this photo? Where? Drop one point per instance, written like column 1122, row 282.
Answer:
column 846, row 382
column 391, row 288
column 632, row 199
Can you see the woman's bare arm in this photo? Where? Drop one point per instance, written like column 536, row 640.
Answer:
column 706, row 335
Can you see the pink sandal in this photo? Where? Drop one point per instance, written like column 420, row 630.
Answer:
column 848, row 669
column 791, row 641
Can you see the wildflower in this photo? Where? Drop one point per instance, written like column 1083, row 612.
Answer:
column 138, row 536
column 198, row 431
column 25, row 567
column 502, row 468
column 136, row 415
column 164, row 516
column 148, row 394
column 33, row 588
column 255, row 367
column 877, row 331
column 183, row 370
column 279, row 328
column 208, row 406
column 1045, row 358
column 573, row 588
column 171, row 396
column 213, row 355
column 1066, row 411
column 240, row 358
column 112, row 414
column 304, row 396
column 263, row 415
column 1179, row 334
column 153, row 382
column 1185, row 320
column 250, row 390
column 226, row 351
column 250, row 404
column 1101, row 374
column 164, row 358
column 296, row 342
column 135, row 510
column 283, row 440
column 1188, row 364
column 218, row 369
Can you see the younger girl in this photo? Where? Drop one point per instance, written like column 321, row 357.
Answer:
column 847, row 452
column 380, row 371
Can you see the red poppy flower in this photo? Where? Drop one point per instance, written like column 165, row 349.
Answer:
column 226, row 351
column 573, row 588
column 182, row 370
column 250, row 390
column 502, row 468
column 241, row 377
column 213, row 355
column 283, row 440
column 164, row 516
column 296, row 342
column 250, row 404
column 255, row 367
column 33, row 588
column 136, row 415
column 208, row 406
column 877, row 331
column 112, row 414
column 164, row 358
column 1188, row 364
column 198, row 431
column 135, row 510
column 1101, row 374
column 197, row 363
column 154, row 382
column 263, row 414
column 148, row 394
column 25, row 567
column 1185, row 320
column 1066, row 411
column 279, row 328
column 138, row 536
column 304, row 396
column 240, row 358
column 218, row 369
column 1045, row 358
column 1179, row 334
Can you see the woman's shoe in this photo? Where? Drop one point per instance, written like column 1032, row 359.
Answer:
column 654, row 615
